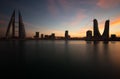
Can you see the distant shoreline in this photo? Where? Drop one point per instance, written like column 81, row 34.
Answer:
column 80, row 39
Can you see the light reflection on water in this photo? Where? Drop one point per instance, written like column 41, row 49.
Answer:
column 68, row 59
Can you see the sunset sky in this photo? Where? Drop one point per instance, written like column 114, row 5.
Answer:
column 56, row 16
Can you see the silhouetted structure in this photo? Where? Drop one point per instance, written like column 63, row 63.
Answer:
column 105, row 35
column 11, row 23
column 42, row 36
column 36, row 35
column 21, row 33
column 97, row 35
column 96, row 30
column 89, row 35
column 113, row 36
column 46, row 37
column 52, row 36
column 67, row 36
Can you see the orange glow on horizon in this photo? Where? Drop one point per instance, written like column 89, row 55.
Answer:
column 81, row 32
column 116, row 22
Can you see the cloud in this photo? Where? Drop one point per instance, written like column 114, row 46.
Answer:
column 52, row 7
column 71, row 4
column 79, row 17
column 65, row 4
column 3, row 16
column 76, row 19
column 114, row 26
column 56, row 6
column 3, row 22
column 108, row 3
column 115, row 22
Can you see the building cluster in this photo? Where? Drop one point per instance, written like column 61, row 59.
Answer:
column 37, row 36
column 52, row 36
column 95, row 36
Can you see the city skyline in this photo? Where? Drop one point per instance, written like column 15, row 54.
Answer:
column 11, row 32
column 56, row 16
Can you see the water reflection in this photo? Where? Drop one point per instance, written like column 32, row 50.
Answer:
column 66, row 51
column 20, row 59
column 78, row 59
column 101, row 60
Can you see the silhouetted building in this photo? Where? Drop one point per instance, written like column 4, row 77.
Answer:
column 36, row 35
column 52, row 36
column 96, row 33
column 113, row 36
column 42, row 36
column 89, row 35
column 46, row 36
column 105, row 35
column 67, row 35
column 11, row 24
column 21, row 31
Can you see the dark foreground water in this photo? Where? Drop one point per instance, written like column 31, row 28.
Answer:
column 60, row 59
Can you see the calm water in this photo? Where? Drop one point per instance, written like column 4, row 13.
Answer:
column 60, row 59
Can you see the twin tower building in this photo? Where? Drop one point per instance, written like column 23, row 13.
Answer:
column 12, row 29
column 96, row 34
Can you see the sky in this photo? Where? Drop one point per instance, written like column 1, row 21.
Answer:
column 56, row 16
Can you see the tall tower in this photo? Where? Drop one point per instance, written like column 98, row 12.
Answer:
column 66, row 35
column 36, row 35
column 21, row 28
column 11, row 23
column 105, row 35
column 97, row 34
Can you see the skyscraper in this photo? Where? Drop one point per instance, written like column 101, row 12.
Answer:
column 105, row 35
column 21, row 31
column 53, row 36
column 36, row 35
column 11, row 23
column 96, row 33
column 66, row 35
column 42, row 36
column 22, row 34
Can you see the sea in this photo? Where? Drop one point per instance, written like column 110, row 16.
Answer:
column 60, row 59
